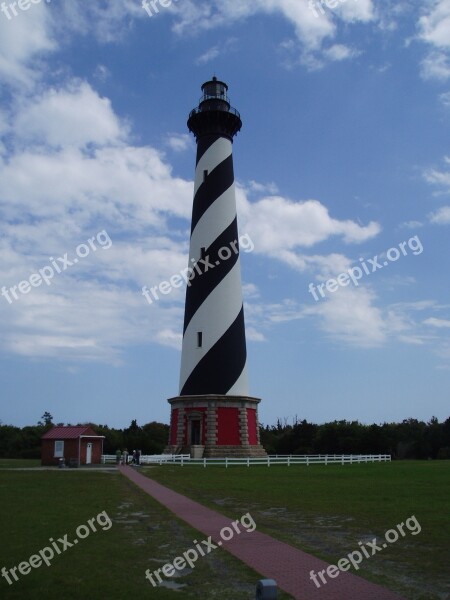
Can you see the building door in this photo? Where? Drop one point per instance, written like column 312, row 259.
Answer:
column 195, row 432
column 89, row 453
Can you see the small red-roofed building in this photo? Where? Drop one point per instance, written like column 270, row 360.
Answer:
column 76, row 446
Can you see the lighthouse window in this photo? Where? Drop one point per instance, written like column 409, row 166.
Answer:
column 205, row 174
column 202, row 252
column 199, row 339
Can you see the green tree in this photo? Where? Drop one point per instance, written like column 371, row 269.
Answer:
column 47, row 419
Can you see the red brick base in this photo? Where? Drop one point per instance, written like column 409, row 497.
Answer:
column 218, row 426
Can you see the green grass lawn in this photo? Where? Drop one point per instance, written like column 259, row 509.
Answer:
column 19, row 463
column 111, row 562
column 327, row 510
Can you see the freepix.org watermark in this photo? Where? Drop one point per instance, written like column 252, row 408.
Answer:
column 58, row 265
column 199, row 267
column 367, row 550
column 47, row 554
column 151, row 6
column 200, row 549
column 9, row 9
column 316, row 6
column 354, row 274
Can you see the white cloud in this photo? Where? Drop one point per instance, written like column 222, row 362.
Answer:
column 72, row 116
column 250, row 291
column 441, row 216
column 311, row 27
column 102, row 73
column 110, row 182
column 278, row 224
column 131, row 187
column 225, row 46
column 208, row 56
column 62, row 181
column 23, row 39
column 350, row 316
column 261, row 188
column 445, row 99
column 356, row 10
column 67, row 177
column 179, row 142
column 4, row 124
column 325, row 266
column 340, row 52
column 264, row 315
column 434, row 27
column 253, row 335
column 440, row 323
column 170, row 338
column 415, row 306
column 104, row 318
column 411, row 225
column 436, row 66
column 109, row 21
column 440, row 178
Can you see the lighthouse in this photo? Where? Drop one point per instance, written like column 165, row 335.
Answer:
column 214, row 414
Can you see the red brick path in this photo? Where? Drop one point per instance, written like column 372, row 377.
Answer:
column 277, row 560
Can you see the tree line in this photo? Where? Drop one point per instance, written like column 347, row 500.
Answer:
column 25, row 442
column 411, row 438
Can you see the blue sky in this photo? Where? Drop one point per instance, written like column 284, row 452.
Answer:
column 343, row 163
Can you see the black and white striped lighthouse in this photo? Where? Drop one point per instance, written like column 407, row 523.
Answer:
column 214, row 415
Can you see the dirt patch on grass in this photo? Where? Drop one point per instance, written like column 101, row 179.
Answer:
column 332, row 538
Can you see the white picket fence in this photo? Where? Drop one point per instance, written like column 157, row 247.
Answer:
column 147, row 459
column 307, row 459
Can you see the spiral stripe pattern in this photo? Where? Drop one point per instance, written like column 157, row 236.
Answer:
column 214, row 352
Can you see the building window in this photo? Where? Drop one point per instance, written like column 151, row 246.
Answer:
column 59, row 449
column 199, row 339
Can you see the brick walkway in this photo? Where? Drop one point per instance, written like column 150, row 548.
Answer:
column 277, row 560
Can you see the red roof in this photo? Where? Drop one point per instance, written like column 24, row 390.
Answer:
column 69, row 433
